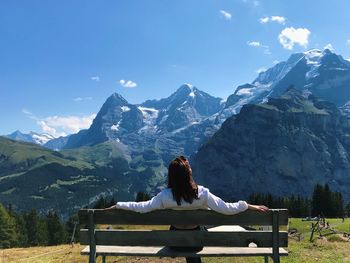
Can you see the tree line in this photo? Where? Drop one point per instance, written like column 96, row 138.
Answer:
column 28, row 229
column 324, row 202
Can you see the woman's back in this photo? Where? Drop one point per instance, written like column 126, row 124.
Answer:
column 205, row 200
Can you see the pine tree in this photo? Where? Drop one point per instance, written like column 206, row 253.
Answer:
column 21, row 230
column 36, row 229
column 8, row 235
column 56, row 232
column 317, row 199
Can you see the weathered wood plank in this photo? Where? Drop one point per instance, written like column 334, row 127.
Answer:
column 91, row 237
column 182, row 217
column 182, row 238
column 167, row 252
column 275, row 237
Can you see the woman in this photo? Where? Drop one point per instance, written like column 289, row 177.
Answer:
column 183, row 193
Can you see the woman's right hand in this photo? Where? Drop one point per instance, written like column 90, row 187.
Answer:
column 260, row 208
column 111, row 207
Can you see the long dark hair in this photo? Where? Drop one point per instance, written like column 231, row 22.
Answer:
column 180, row 180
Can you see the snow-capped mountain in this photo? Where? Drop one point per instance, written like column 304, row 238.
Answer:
column 323, row 73
column 115, row 119
column 32, row 137
column 118, row 120
column 187, row 106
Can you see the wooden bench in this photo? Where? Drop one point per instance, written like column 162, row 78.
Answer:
column 155, row 243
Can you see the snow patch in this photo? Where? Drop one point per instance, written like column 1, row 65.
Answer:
column 150, row 116
column 125, row 108
column 245, row 91
column 115, row 127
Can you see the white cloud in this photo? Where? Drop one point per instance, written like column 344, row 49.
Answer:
column 226, row 14
column 264, row 20
column 257, row 44
column 259, row 70
column 291, row 36
column 95, row 78
column 63, row 125
column 78, row 99
column 329, row 46
column 348, row 41
column 127, row 83
column 254, row 43
column 277, row 19
column 275, row 62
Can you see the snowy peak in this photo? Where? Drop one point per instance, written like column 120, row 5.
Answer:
column 116, row 99
column 32, row 137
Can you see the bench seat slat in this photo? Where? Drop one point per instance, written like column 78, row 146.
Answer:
column 166, row 252
column 181, row 217
column 182, row 238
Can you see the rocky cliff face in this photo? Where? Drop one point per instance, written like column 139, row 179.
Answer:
column 283, row 147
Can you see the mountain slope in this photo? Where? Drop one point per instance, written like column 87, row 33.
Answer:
column 35, row 177
column 284, row 146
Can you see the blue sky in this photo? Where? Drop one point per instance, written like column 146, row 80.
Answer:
column 60, row 60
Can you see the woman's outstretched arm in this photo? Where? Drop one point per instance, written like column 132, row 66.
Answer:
column 217, row 204
column 141, row 207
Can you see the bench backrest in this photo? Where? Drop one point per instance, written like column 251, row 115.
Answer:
column 92, row 236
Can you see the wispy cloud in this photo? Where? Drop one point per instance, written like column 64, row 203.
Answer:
column 27, row 112
column 226, row 14
column 95, row 78
column 61, row 125
column 291, row 36
column 257, row 44
column 278, row 19
column 127, row 83
column 348, row 41
column 78, row 99
column 255, row 3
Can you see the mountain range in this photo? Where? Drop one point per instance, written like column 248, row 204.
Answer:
column 213, row 131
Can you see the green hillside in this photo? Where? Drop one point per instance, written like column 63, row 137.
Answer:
column 34, row 177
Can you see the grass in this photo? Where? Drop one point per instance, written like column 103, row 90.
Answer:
column 323, row 250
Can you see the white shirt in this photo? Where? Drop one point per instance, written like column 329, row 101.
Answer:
column 206, row 200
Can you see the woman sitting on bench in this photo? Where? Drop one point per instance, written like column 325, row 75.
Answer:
column 184, row 194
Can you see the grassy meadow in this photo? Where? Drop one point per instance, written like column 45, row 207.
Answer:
column 329, row 248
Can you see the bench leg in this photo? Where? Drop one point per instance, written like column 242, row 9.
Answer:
column 103, row 259
column 266, row 259
column 276, row 258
